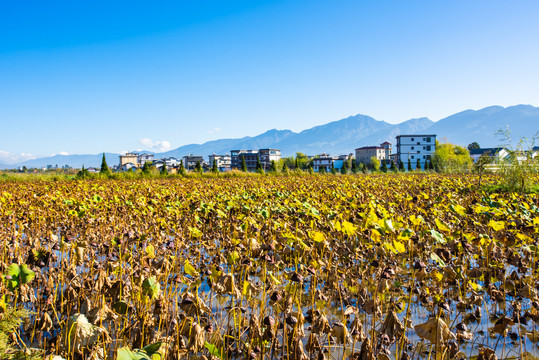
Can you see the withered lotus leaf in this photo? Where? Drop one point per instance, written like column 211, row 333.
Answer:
column 434, row 330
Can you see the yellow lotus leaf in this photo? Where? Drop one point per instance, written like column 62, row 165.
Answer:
column 317, row 236
column 375, row 236
column 416, row 220
column 496, row 225
column 399, row 246
column 440, row 225
column 348, row 228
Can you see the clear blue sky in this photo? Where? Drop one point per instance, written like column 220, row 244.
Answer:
column 86, row 77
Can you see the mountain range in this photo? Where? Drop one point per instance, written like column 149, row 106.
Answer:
column 345, row 135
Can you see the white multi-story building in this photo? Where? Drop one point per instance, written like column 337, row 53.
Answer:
column 327, row 162
column 413, row 147
column 223, row 162
column 144, row 158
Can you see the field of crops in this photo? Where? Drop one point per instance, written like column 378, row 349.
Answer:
column 293, row 267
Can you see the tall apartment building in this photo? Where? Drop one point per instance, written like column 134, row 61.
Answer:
column 413, row 147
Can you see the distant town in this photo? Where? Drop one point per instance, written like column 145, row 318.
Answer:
column 412, row 152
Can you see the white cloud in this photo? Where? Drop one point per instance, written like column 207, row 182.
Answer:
column 12, row 158
column 63, row 153
column 149, row 144
column 214, row 130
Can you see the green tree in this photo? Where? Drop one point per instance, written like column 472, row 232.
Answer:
column 401, row 166
column 363, row 168
column 375, row 163
column 258, row 164
column 104, row 167
column 474, row 145
column 345, row 167
column 181, row 169
column 418, row 165
column 164, row 170
column 198, row 167
column 302, row 161
column 146, row 167
column 284, row 169
column 83, row 173
column 520, row 168
column 273, row 167
column 333, row 170
column 214, row 168
column 409, row 165
column 451, row 158
column 243, row 164
column 310, row 168
column 354, row 166
column 321, row 169
column 384, row 166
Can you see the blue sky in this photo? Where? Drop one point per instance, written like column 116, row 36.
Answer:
column 114, row 76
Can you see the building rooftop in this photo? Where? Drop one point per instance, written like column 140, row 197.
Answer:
column 485, row 151
column 369, row 148
column 416, row 135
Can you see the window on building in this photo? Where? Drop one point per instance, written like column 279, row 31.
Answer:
column 423, row 148
column 412, row 148
column 428, row 148
column 418, row 143
column 423, row 156
column 428, row 139
column 423, row 139
column 412, row 156
column 412, row 139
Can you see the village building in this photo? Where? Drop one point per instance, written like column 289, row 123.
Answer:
column 365, row 153
column 223, row 162
column 414, row 147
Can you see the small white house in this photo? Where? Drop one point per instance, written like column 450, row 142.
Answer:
column 496, row 154
column 326, row 161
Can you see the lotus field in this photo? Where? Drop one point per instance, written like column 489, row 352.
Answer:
column 398, row 266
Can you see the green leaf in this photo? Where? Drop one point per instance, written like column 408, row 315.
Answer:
column 120, row 307
column 438, row 237
column 151, row 287
column 20, row 275
column 126, row 354
column 214, row 350
column 436, row 258
column 233, row 257
column 152, row 348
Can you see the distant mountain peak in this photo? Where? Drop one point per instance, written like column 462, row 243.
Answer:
column 344, row 135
